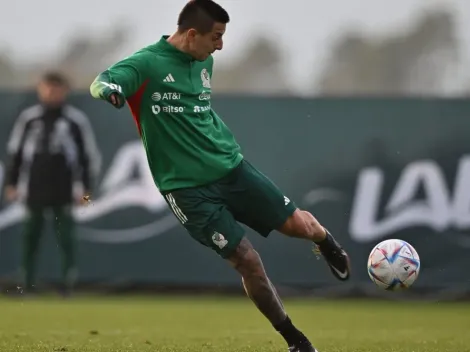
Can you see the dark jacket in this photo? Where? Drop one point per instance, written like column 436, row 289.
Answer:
column 49, row 150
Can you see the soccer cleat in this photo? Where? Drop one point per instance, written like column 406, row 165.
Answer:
column 335, row 256
column 304, row 347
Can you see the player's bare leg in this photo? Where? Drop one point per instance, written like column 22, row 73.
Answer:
column 303, row 225
column 263, row 294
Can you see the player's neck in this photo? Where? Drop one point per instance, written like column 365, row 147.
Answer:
column 179, row 42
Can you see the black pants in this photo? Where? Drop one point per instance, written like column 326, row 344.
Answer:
column 34, row 228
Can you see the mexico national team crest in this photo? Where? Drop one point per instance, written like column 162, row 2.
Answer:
column 206, row 79
column 219, row 240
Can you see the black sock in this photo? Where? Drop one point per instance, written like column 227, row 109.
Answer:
column 327, row 242
column 290, row 333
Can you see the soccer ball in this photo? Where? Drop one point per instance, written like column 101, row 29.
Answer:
column 393, row 265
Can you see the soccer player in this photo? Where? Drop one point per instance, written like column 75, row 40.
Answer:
column 197, row 164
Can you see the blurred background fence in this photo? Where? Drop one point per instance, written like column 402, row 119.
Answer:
column 358, row 111
column 370, row 169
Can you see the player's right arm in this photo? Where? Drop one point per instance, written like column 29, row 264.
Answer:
column 15, row 148
column 120, row 81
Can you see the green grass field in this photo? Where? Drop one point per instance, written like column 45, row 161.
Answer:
column 227, row 324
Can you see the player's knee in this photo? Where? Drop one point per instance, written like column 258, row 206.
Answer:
column 304, row 225
column 251, row 265
column 246, row 260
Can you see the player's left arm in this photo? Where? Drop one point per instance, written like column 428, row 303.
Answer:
column 15, row 147
column 121, row 80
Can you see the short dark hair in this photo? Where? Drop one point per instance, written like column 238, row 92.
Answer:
column 201, row 15
column 55, row 77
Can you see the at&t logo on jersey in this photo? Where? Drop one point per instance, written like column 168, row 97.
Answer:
column 156, row 109
column 202, row 108
column 165, row 96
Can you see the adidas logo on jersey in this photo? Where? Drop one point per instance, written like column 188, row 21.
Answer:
column 169, row 79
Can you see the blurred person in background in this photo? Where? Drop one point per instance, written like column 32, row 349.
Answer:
column 51, row 148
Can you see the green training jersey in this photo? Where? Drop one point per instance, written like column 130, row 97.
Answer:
column 169, row 96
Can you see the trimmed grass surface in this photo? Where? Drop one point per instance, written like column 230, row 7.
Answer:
column 227, row 325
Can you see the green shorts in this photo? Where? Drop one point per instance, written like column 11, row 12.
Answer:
column 211, row 213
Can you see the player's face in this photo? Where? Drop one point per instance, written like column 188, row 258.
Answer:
column 52, row 94
column 203, row 45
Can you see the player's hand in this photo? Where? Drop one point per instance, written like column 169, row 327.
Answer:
column 116, row 100
column 84, row 199
column 11, row 193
